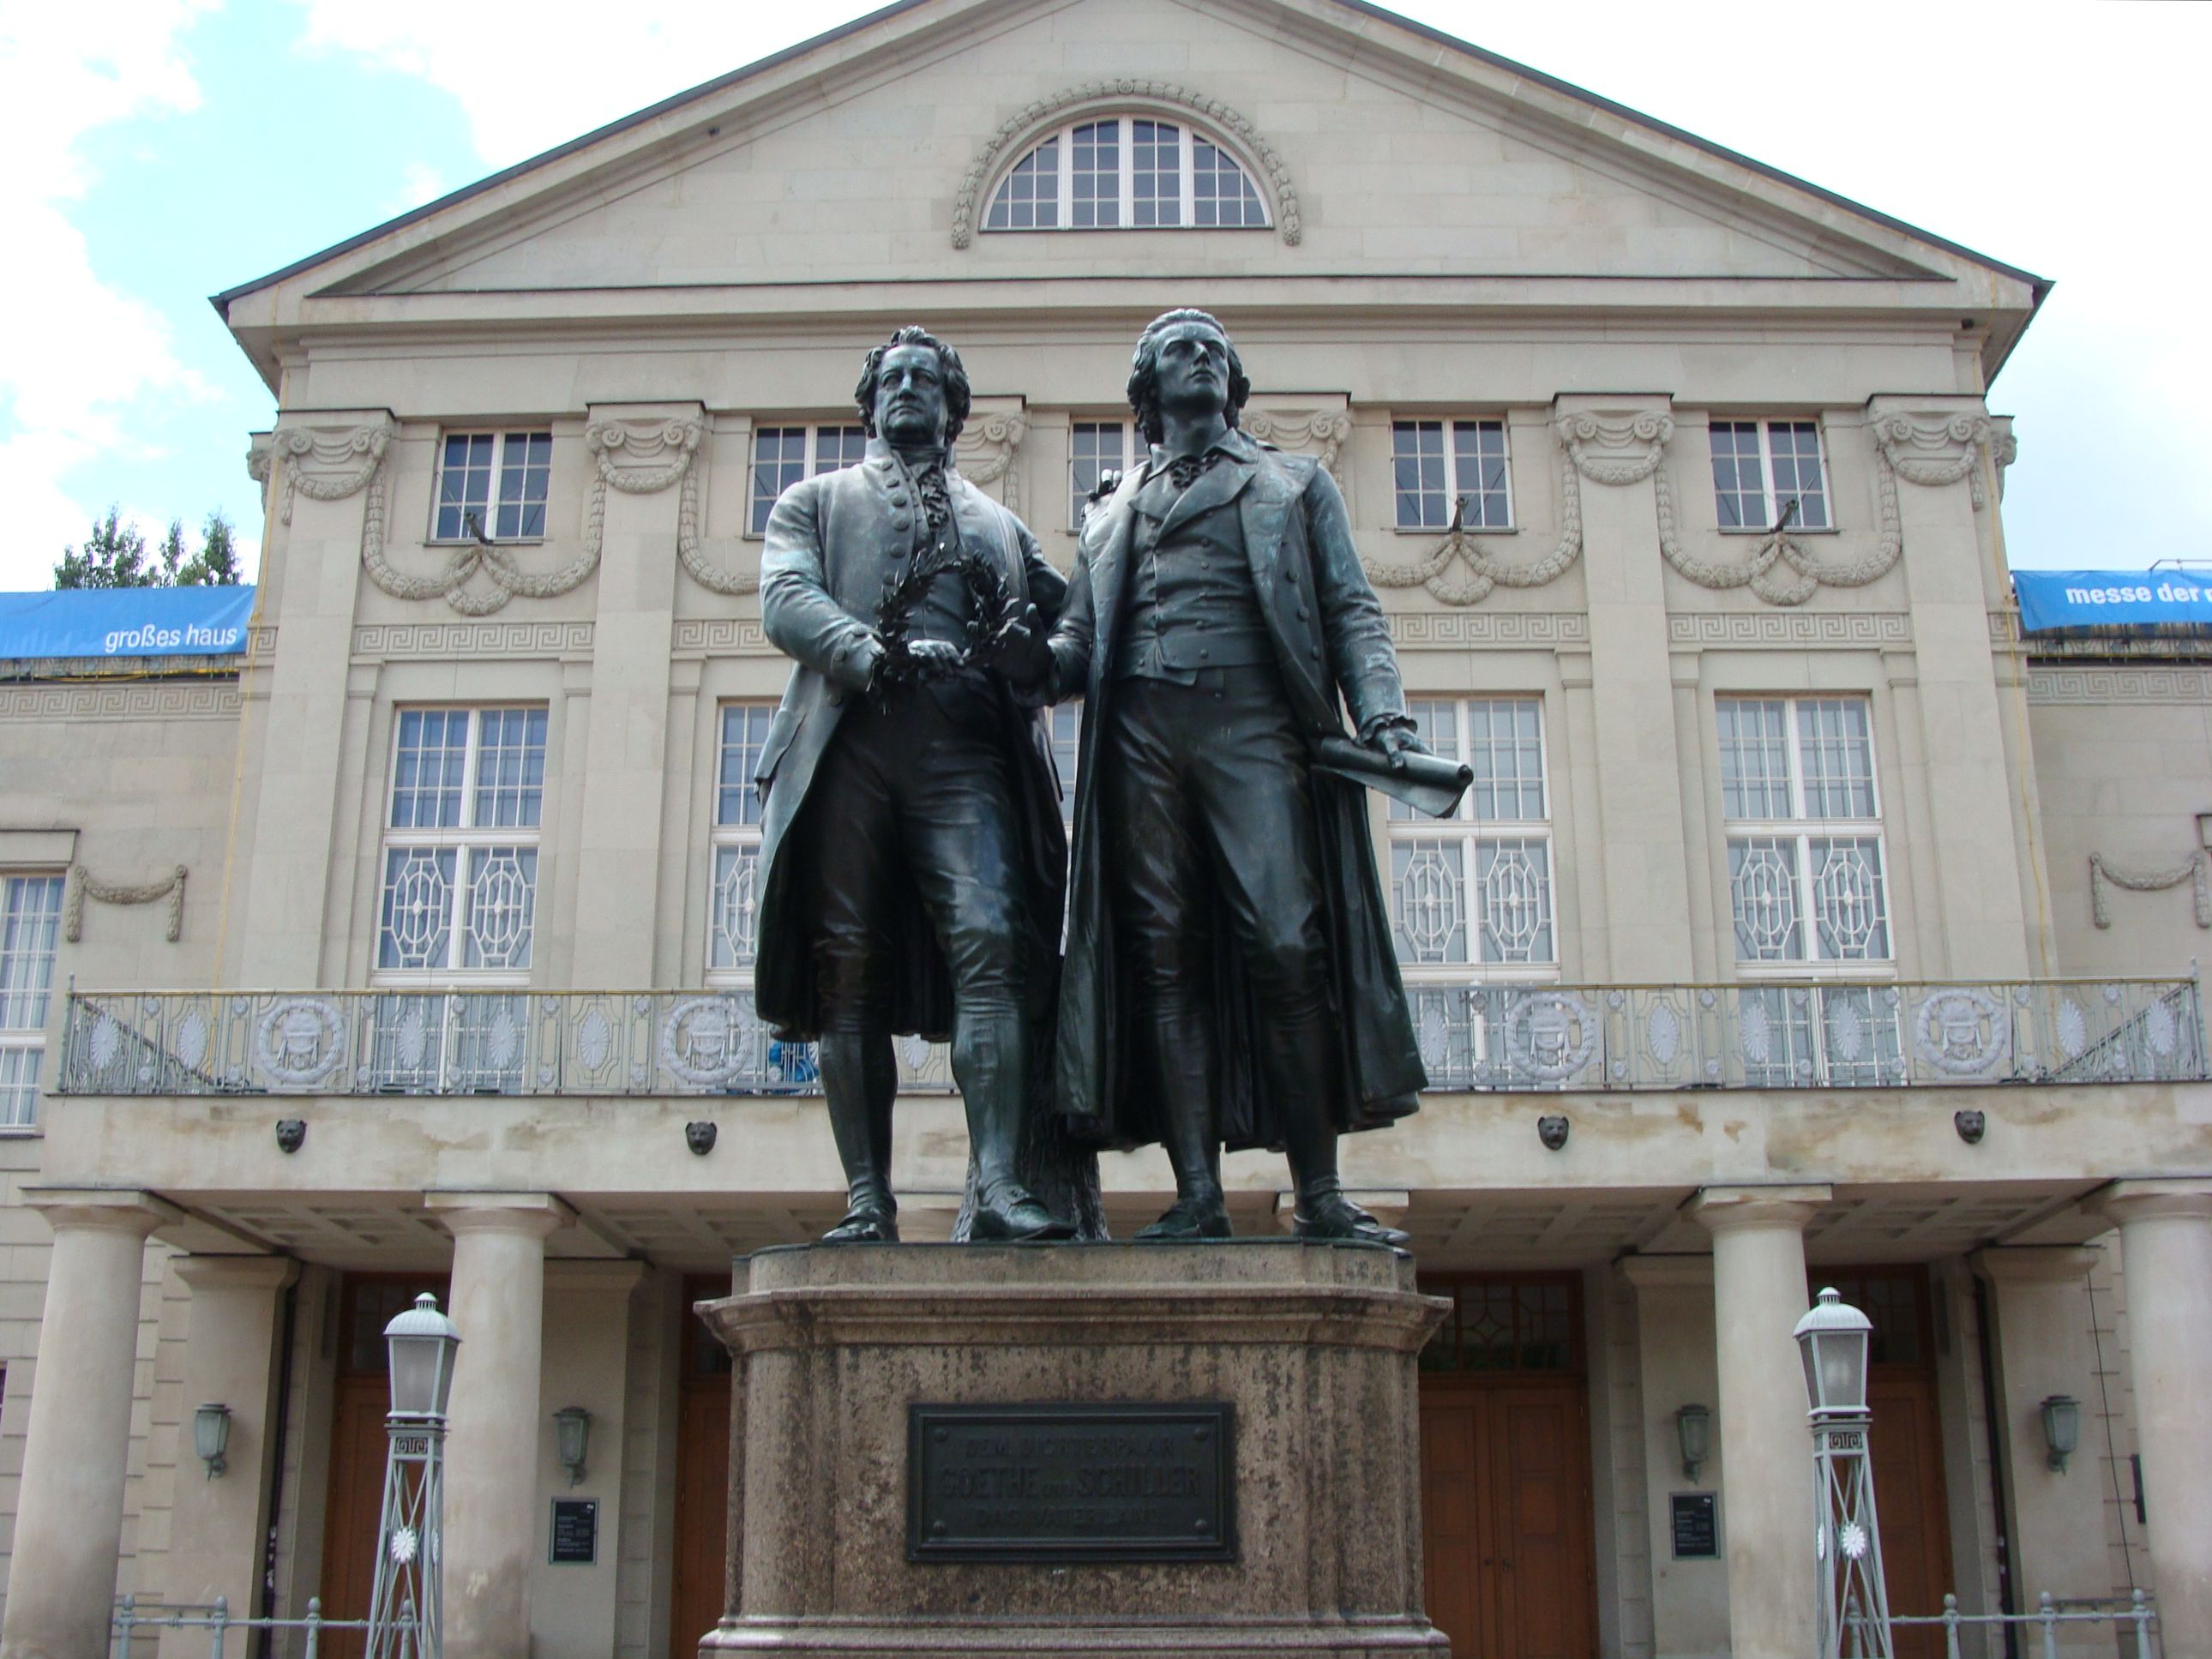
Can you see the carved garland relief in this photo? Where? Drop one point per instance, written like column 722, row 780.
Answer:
column 1780, row 569
column 644, row 458
column 82, row 885
column 2191, row 870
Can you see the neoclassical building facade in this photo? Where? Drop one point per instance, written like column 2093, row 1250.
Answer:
column 1807, row 923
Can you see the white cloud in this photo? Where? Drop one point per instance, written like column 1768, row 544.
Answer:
column 76, row 354
column 527, row 86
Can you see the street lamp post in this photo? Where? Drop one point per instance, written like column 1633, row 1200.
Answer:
column 1832, row 1339
column 407, row 1602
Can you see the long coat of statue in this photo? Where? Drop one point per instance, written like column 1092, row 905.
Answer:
column 834, row 541
column 1330, row 640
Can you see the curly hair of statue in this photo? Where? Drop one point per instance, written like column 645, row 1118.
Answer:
column 1145, row 370
column 958, row 397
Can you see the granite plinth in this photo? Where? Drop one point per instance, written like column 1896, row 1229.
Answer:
column 1311, row 1345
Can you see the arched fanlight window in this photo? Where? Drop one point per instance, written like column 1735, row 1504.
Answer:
column 1125, row 172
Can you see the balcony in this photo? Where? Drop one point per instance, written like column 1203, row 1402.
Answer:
column 1474, row 1038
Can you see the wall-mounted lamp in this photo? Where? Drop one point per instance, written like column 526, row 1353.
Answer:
column 1694, row 1427
column 210, row 1435
column 572, row 1436
column 2061, row 1428
column 2204, row 829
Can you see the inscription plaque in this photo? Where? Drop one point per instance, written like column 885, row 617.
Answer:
column 1697, row 1526
column 1072, row 1483
column 576, row 1532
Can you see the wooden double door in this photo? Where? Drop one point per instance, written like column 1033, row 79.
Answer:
column 1505, row 1480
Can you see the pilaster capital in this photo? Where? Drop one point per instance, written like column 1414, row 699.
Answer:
column 1726, row 1209
column 642, row 448
column 1668, row 1272
column 1617, row 439
column 237, row 1272
column 528, row 1214
column 108, row 1209
column 2034, row 1264
column 2182, row 1198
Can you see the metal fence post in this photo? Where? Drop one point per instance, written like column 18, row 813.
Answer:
column 125, row 1616
column 2141, row 1614
column 2048, row 1612
column 314, row 1623
column 220, row 1618
column 1950, row 1626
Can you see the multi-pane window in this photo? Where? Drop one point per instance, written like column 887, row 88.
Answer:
column 30, row 923
column 1505, row 1324
column 1125, row 172
column 460, row 840
column 492, row 486
column 1806, row 879
column 1094, row 449
column 1475, row 889
column 733, row 917
column 783, row 455
column 1439, row 466
column 1762, row 468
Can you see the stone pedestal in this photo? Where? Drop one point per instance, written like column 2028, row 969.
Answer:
column 1311, row 1346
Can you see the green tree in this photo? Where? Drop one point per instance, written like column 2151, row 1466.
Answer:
column 113, row 556
column 215, row 565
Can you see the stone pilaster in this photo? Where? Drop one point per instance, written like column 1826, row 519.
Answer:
column 2165, row 1246
column 1766, row 1450
column 69, row 1513
column 643, row 452
column 328, row 471
column 1931, row 455
column 2043, row 1348
column 1676, row 1366
column 1617, row 445
column 491, row 1522
column 218, row 1523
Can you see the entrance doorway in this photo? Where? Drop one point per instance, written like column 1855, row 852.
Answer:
column 702, row 1474
column 1505, row 1483
column 354, row 1499
column 1910, row 1501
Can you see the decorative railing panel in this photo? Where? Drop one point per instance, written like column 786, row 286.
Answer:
column 1761, row 1034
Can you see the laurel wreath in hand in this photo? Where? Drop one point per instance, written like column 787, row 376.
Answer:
column 993, row 610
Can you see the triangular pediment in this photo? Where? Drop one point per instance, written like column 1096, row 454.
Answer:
column 1382, row 150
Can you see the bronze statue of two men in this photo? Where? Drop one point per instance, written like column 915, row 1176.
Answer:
column 1227, row 975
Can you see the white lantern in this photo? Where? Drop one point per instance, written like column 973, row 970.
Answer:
column 1833, row 1340
column 422, row 1341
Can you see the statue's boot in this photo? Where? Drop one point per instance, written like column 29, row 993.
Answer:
column 990, row 1062
column 1300, row 1068
column 1180, row 1058
column 859, row 1080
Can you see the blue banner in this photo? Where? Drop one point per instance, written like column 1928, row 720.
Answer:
column 126, row 622
column 2052, row 600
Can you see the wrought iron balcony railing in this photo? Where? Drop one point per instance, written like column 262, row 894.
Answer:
column 1764, row 1035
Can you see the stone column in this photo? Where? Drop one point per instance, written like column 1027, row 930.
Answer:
column 1766, row 1450
column 2165, row 1252
column 69, row 1510
column 2055, row 1530
column 218, row 1524
column 492, row 1525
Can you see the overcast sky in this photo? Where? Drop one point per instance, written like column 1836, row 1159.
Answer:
column 160, row 150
